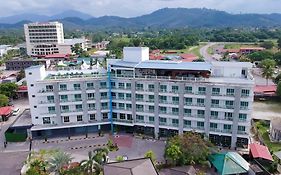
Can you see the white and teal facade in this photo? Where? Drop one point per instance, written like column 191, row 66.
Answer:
column 158, row 98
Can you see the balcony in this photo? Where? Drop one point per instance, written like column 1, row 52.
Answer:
column 188, row 104
column 139, row 121
column 187, row 126
column 45, row 90
column 77, row 99
column 163, row 90
column 242, row 132
column 216, row 94
column 187, row 115
column 63, row 89
column 175, row 102
column 200, row 104
column 175, row 124
column 122, row 120
column 103, row 97
column 188, row 92
column 215, row 129
column 90, row 88
column 163, row 101
column 201, row 93
column 104, row 107
column 214, row 117
column 163, row 123
column 228, row 118
column 91, row 109
column 229, row 94
column 139, row 89
column 150, row 90
column 139, row 109
column 227, row 131
column 244, row 107
column 245, row 95
column 162, row 112
column 91, row 98
column 200, row 116
column 139, row 99
column 229, row 107
column 47, row 102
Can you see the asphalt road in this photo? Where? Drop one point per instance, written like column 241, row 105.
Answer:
column 204, row 52
column 12, row 162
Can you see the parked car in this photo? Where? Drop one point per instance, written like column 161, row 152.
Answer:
column 16, row 111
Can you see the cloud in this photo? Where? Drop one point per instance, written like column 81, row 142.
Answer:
column 128, row 8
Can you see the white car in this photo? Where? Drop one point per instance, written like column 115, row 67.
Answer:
column 16, row 111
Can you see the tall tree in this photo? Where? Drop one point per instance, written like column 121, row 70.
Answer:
column 278, row 91
column 268, row 67
column 8, row 89
column 279, row 43
column 59, row 160
column 4, row 100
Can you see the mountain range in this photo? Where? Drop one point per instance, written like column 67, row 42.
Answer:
column 163, row 18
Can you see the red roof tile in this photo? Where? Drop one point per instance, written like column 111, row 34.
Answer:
column 23, row 88
column 265, row 89
column 260, row 151
column 5, row 110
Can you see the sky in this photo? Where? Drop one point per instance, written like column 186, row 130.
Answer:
column 130, row 8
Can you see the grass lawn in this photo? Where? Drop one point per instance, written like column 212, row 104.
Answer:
column 263, row 130
column 238, row 46
column 191, row 49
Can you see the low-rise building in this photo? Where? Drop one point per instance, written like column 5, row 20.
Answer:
column 21, row 63
column 275, row 129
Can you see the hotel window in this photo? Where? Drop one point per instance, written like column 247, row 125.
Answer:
column 121, row 96
column 77, row 97
column 122, row 116
column 76, row 87
column 140, row 117
column 215, row 103
column 50, row 99
column 128, row 96
column 49, row 88
column 90, row 85
column 228, row 115
column 63, row 87
column 245, row 92
column 244, row 105
column 129, row 117
column 92, row 117
column 163, row 99
column 63, row 98
column 188, row 89
column 215, row 91
column 200, row 113
column 230, row 92
column 139, row 97
column 188, row 101
column 175, row 111
column 79, row 118
column 226, row 127
column 214, row 125
column 121, row 85
column 91, row 96
column 139, row 108
column 51, row 109
column 151, row 87
column 104, row 105
column 128, row 106
column 91, row 106
column 214, row 114
column 187, row 112
column 175, row 122
column 103, row 95
column 200, row 101
column 114, row 105
column 46, row 120
column 103, row 84
column 187, row 123
column 78, row 107
column 151, row 108
column 175, row 100
column 242, row 117
column 241, row 128
column 163, row 88
column 163, row 110
column 201, row 90
column 121, row 106
column 66, row 119
column 104, row 115
column 200, row 124
column 114, row 115
column 229, row 104
column 139, row 86
column 162, row 120
column 175, row 89
column 128, row 85
column 113, row 85
column 151, row 119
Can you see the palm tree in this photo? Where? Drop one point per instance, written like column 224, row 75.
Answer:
column 96, row 159
column 268, row 66
column 58, row 161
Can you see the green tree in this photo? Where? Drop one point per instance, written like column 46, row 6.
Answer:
column 96, row 158
column 150, row 154
column 259, row 56
column 8, row 89
column 59, row 160
column 277, row 58
column 21, row 75
column 268, row 67
column 192, row 149
column 278, row 91
column 173, row 154
column 4, row 100
column 267, row 44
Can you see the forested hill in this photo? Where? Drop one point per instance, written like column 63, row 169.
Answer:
column 166, row 18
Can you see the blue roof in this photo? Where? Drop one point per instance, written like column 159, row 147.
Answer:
column 160, row 64
column 229, row 163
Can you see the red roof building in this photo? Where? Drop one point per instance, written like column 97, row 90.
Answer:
column 5, row 112
column 188, row 57
column 57, row 56
column 260, row 151
column 265, row 90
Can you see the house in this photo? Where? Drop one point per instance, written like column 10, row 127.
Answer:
column 142, row 166
column 275, row 129
column 5, row 113
column 265, row 90
column 183, row 170
column 260, row 153
column 229, row 163
column 248, row 50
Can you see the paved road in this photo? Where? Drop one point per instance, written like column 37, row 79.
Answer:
column 21, row 104
column 12, row 162
column 204, row 52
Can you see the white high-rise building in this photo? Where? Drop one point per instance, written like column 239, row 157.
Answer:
column 48, row 38
column 158, row 98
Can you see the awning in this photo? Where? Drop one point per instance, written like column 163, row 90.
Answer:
column 260, row 151
column 4, row 111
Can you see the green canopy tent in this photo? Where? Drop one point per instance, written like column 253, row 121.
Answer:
column 229, row 163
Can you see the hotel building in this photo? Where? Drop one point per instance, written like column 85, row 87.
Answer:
column 135, row 94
